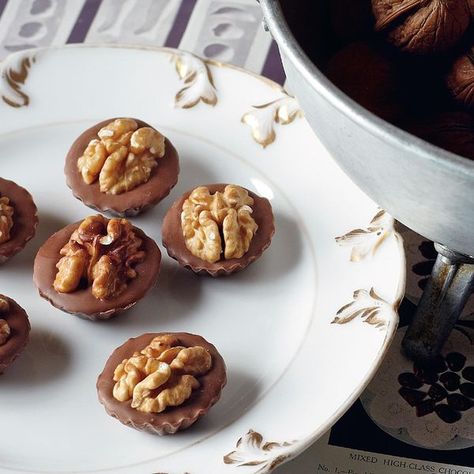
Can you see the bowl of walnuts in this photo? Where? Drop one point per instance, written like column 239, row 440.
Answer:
column 388, row 87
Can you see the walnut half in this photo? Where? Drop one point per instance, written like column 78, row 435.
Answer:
column 6, row 219
column 101, row 253
column 122, row 157
column 161, row 375
column 218, row 223
column 4, row 327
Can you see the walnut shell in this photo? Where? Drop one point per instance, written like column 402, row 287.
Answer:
column 453, row 131
column 367, row 76
column 422, row 26
column 460, row 80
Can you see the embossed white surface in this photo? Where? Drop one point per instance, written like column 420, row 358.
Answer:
column 133, row 21
column 291, row 372
column 226, row 30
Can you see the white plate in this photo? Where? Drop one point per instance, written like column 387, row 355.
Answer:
column 291, row 373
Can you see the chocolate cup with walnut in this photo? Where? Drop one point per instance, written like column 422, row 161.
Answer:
column 25, row 219
column 19, row 326
column 173, row 239
column 172, row 419
column 130, row 203
column 82, row 302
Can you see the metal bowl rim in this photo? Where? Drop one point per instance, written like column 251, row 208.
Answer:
column 281, row 32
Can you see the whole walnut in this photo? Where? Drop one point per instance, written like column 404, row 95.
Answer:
column 367, row 76
column 422, row 26
column 453, row 131
column 460, row 80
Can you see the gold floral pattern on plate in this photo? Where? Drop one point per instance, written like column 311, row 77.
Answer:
column 251, row 450
column 262, row 118
column 365, row 242
column 197, row 79
column 367, row 304
column 370, row 307
column 15, row 72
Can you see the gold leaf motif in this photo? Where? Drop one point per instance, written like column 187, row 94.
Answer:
column 197, row 79
column 14, row 77
column 365, row 242
column 252, row 451
column 277, row 461
column 262, row 118
column 370, row 307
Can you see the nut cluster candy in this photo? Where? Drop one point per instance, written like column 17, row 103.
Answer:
column 18, row 219
column 102, row 252
column 96, row 268
column 218, row 229
column 161, row 375
column 162, row 382
column 14, row 331
column 6, row 219
column 122, row 166
column 5, row 329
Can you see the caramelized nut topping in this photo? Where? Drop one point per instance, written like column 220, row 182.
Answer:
column 102, row 253
column 161, row 375
column 6, row 219
column 123, row 156
column 218, row 223
column 4, row 327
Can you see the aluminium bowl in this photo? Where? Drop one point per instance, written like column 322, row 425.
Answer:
column 425, row 187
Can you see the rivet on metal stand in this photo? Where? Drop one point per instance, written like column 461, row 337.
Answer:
column 446, row 294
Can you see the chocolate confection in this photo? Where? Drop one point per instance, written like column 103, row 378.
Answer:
column 14, row 331
column 174, row 242
column 173, row 418
column 129, row 203
column 82, row 301
column 25, row 218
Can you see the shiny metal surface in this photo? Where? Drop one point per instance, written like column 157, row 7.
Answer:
column 428, row 189
column 443, row 300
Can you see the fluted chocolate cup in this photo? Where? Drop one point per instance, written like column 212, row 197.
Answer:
column 173, row 239
column 82, row 302
column 130, row 203
column 172, row 419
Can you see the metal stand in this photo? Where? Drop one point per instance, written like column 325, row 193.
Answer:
column 450, row 285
